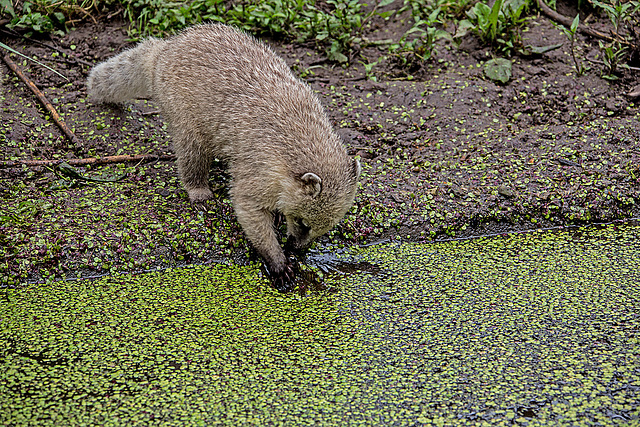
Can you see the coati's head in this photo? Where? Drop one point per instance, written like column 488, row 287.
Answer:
column 319, row 204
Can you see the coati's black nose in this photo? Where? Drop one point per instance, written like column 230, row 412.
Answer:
column 291, row 244
column 294, row 245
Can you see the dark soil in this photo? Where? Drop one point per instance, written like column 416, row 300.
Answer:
column 445, row 151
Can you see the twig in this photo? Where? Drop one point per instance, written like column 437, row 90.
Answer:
column 43, row 100
column 566, row 21
column 83, row 10
column 89, row 161
column 354, row 79
column 111, row 15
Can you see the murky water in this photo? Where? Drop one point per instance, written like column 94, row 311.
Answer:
column 539, row 328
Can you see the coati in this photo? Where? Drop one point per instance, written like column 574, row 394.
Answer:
column 228, row 96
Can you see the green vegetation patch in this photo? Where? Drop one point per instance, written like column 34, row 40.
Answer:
column 526, row 329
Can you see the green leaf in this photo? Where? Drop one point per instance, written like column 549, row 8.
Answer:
column 59, row 17
column 442, row 34
column 493, row 18
column 463, row 28
column 498, row 69
column 335, row 53
column 574, row 24
column 433, row 16
column 517, row 7
column 416, row 27
column 384, row 3
column 539, row 50
column 6, row 6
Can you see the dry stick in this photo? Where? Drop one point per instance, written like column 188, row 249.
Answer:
column 89, row 161
column 566, row 21
column 43, row 100
column 111, row 15
column 56, row 117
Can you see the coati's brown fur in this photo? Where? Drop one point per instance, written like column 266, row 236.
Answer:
column 227, row 95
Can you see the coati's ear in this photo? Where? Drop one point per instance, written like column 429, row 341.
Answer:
column 311, row 183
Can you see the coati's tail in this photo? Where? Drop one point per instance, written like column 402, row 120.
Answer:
column 126, row 76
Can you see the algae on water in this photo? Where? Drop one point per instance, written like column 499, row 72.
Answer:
column 536, row 329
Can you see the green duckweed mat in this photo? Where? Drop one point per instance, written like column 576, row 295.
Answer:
column 528, row 329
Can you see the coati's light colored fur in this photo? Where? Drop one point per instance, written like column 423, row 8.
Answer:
column 226, row 95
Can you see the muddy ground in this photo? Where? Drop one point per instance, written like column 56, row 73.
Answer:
column 446, row 152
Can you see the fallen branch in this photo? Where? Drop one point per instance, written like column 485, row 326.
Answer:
column 111, row 15
column 43, row 99
column 566, row 21
column 89, row 161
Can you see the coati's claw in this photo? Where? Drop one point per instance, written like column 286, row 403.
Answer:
column 285, row 280
column 199, row 206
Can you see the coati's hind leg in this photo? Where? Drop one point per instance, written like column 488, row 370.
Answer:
column 258, row 226
column 193, row 167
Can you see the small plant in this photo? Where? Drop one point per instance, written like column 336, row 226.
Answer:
column 40, row 22
column 44, row 16
column 338, row 28
column 411, row 49
column 615, row 53
column 498, row 69
column 571, row 35
column 424, row 8
column 619, row 12
column 368, row 69
column 497, row 25
column 613, row 57
column 342, row 27
column 160, row 17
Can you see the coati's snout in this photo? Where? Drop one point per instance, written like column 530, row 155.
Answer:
column 299, row 234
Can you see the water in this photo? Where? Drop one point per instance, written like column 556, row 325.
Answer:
column 539, row 328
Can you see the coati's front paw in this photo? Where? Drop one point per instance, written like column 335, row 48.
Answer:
column 285, row 280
